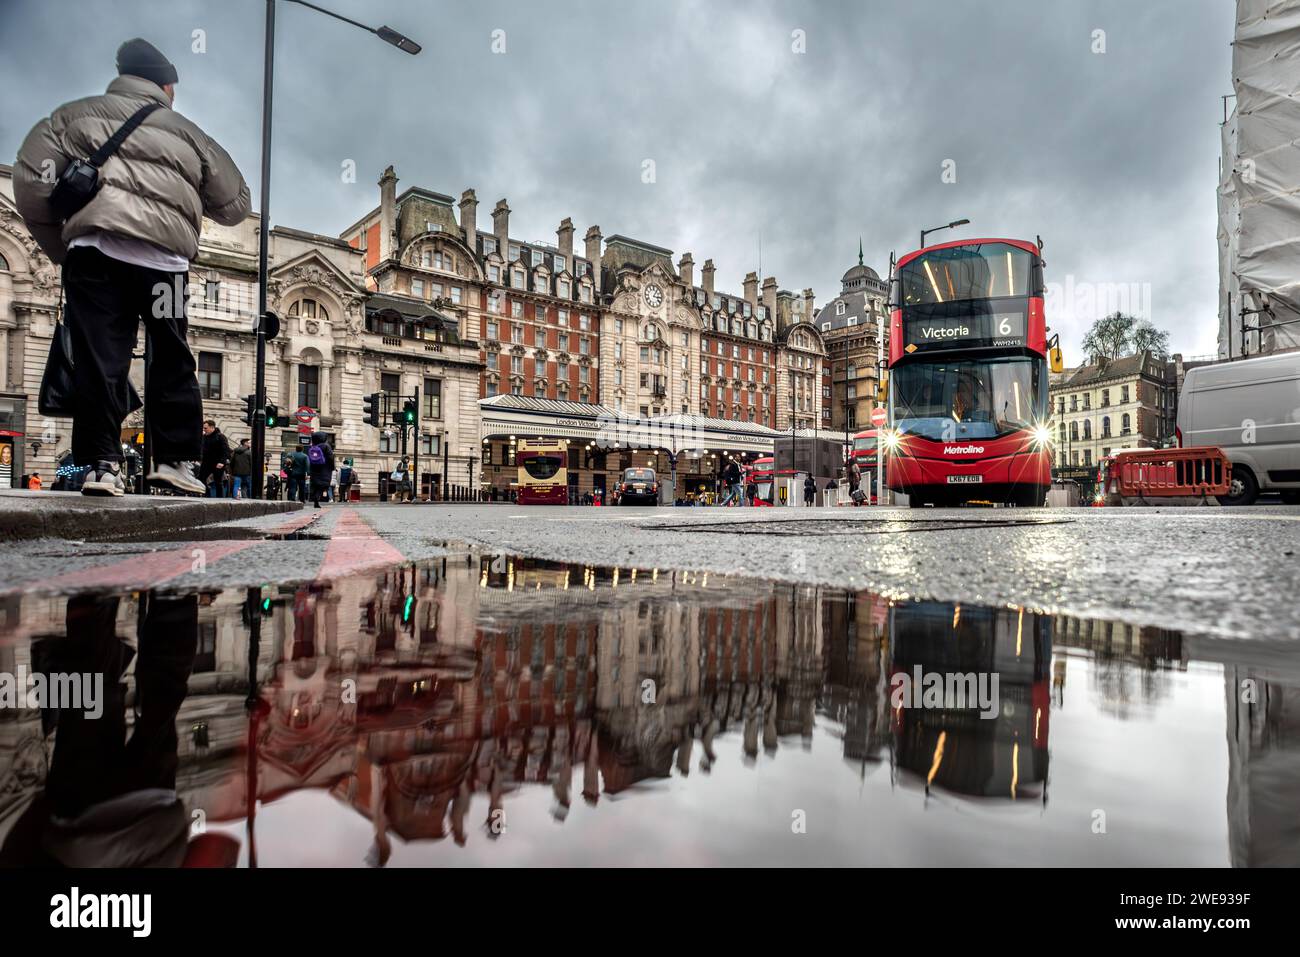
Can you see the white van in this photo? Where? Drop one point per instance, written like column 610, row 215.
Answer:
column 1250, row 408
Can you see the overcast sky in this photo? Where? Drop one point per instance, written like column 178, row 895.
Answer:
column 1112, row 157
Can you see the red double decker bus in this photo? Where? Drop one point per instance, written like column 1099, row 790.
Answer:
column 968, row 363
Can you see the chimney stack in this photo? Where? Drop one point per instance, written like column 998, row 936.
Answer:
column 469, row 218
column 769, row 296
column 565, row 236
column 387, row 214
column 751, row 289
column 501, row 228
column 808, row 302
column 687, row 269
column 706, row 276
column 592, row 240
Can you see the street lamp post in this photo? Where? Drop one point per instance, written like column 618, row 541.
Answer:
column 388, row 35
column 957, row 222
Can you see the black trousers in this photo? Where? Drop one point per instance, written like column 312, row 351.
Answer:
column 107, row 299
column 94, row 759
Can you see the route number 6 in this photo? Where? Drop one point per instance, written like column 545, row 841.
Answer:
column 1004, row 326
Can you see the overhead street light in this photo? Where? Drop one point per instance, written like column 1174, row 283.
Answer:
column 268, row 326
column 954, row 223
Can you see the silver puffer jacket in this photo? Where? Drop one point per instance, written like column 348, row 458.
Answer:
column 158, row 186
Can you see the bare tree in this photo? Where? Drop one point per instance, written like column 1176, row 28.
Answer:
column 1110, row 336
column 1147, row 338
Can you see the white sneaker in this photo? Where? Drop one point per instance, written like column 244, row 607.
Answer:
column 104, row 479
column 179, row 475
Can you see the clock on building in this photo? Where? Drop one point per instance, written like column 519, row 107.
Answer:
column 654, row 296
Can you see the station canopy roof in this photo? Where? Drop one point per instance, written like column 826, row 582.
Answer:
column 510, row 415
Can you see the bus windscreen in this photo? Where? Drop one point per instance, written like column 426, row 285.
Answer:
column 978, row 399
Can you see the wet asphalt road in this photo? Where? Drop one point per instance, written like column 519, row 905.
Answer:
column 1212, row 571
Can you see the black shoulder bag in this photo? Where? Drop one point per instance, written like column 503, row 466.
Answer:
column 79, row 181
column 58, row 393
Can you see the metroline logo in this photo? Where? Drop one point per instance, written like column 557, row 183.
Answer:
column 963, row 449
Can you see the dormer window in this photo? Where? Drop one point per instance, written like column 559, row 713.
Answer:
column 562, row 288
column 839, row 308
column 517, row 279
column 489, row 245
column 538, row 257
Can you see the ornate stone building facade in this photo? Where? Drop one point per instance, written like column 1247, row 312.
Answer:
column 338, row 343
column 853, row 324
column 415, row 295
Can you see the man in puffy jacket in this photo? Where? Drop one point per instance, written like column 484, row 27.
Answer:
column 126, row 257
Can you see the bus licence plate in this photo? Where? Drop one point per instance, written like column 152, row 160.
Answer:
column 965, row 479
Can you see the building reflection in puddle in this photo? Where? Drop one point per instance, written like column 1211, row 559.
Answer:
column 435, row 700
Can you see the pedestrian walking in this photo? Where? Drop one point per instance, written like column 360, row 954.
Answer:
column 34, row 482
column 320, row 459
column 731, row 478
column 334, row 485
column 296, row 466
column 347, row 475
column 809, row 491
column 132, row 181
column 214, row 459
column 402, row 476
column 241, row 469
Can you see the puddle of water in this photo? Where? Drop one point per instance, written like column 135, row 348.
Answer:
column 498, row 711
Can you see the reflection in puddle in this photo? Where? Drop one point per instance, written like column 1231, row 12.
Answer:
column 500, row 711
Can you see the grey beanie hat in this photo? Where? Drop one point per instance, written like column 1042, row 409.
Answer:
column 141, row 58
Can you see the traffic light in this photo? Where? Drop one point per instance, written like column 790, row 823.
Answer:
column 408, row 412
column 250, row 409
column 371, row 409
column 272, row 416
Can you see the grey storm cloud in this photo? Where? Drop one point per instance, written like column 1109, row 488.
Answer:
column 1110, row 157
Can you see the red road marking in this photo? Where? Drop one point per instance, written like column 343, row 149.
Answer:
column 156, row 568
column 354, row 544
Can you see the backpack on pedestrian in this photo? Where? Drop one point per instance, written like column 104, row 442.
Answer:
column 316, row 455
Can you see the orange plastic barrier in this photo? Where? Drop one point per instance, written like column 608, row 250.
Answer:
column 1167, row 473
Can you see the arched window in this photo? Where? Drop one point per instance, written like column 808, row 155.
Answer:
column 1105, row 425
column 308, row 309
column 4, row 263
column 1125, row 423
column 651, row 332
column 1087, row 428
column 1074, row 431
column 839, row 308
column 852, row 371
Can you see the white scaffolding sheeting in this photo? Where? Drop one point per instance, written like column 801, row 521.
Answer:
column 1259, row 188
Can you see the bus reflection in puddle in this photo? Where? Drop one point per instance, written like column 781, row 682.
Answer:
column 969, row 698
